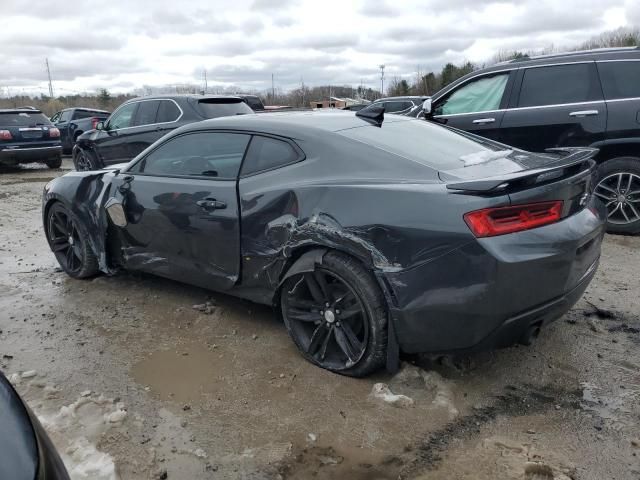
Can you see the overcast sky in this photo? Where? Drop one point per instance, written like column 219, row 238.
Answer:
column 123, row 45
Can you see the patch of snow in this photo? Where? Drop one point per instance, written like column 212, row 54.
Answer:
column 29, row 374
column 382, row 392
column 84, row 462
column 484, row 156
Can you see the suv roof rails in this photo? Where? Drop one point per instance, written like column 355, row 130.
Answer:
column 527, row 58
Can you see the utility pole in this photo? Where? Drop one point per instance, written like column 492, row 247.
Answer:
column 273, row 91
column 46, row 61
column 381, row 80
column 205, row 80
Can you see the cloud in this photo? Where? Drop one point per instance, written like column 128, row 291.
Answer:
column 126, row 44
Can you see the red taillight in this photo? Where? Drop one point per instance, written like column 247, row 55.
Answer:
column 54, row 132
column 490, row 222
column 5, row 135
column 94, row 122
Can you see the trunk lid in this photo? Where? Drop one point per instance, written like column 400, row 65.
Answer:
column 559, row 174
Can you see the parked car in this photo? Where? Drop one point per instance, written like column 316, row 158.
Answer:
column 410, row 106
column 27, row 135
column 73, row 122
column 357, row 107
column 26, row 452
column 253, row 101
column 579, row 99
column 370, row 235
column 137, row 123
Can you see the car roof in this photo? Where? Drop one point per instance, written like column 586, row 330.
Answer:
column 185, row 96
column 404, row 97
column 85, row 109
column 290, row 124
column 623, row 53
column 20, row 110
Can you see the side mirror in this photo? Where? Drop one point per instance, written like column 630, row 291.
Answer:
column 426, row 106
column 100, row 126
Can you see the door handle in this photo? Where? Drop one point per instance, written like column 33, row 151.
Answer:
column 584, row 113
column 482, row 121
column 211, row 204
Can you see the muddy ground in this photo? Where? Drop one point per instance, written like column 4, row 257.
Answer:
column 134, row 383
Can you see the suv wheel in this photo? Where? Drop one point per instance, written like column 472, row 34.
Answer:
column 84, row 161
column 618, row 186
column 54, row 162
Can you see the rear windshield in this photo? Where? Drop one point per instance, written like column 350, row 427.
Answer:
column 222, row 108
column 422, row 142
column 22, row 119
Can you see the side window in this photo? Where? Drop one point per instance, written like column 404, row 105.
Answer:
column 55, row 117
column 167, row 112
column 146, row 114
column 397, row 106
column 65, row 116
column 620, row 79
column 266, row 153
column 206, row 154
column 559, row 84
column 480, row 95
column 81, row 114
column 123, row 118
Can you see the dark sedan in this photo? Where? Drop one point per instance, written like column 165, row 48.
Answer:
column 26, row 453
column 371, row 235
column 26, row 136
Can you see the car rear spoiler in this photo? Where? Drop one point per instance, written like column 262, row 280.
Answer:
column 574, row 160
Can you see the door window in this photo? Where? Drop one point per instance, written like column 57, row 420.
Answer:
column 480, row 95
column 82, row 114
column 559, row 84
column 56, row 117
column 146, row 114
column 392, row 107
column 167, row 112
column 620, row 79
column 65, row 116
column 123, row 118
column 266, row 153
column 207, row 154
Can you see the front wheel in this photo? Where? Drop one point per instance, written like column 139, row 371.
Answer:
column 336, row 316
column 54, row 162
column 70, row 243
column 85, row 161
column 618, row 187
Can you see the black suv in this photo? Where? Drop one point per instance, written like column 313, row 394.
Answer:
column 26, row 135
column 410, row 106
column 576, row 99
column 138, row 123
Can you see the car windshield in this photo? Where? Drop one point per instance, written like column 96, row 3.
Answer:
column 214, row 108
column 422, row 142
column 22, row 119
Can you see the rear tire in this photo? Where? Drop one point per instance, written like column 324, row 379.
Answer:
column 85, row 161
column 69, row 242
column 54, row 162
column 348, row 343
column 617, row 185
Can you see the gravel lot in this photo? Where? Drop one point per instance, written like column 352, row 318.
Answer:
column 135, row 383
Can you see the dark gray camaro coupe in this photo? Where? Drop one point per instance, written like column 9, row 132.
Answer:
column 372, row 236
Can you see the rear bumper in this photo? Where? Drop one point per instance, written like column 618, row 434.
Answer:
column 489, row 292
column 29, row 154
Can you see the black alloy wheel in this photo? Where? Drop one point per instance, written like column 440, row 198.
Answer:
column 331, row 321
column 82, row 162
column 69, row 243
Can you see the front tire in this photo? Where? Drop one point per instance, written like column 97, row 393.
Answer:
column 337, row 316
column 70, row 242
column 618, row 186
column 86, row 161
column 55, row 162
